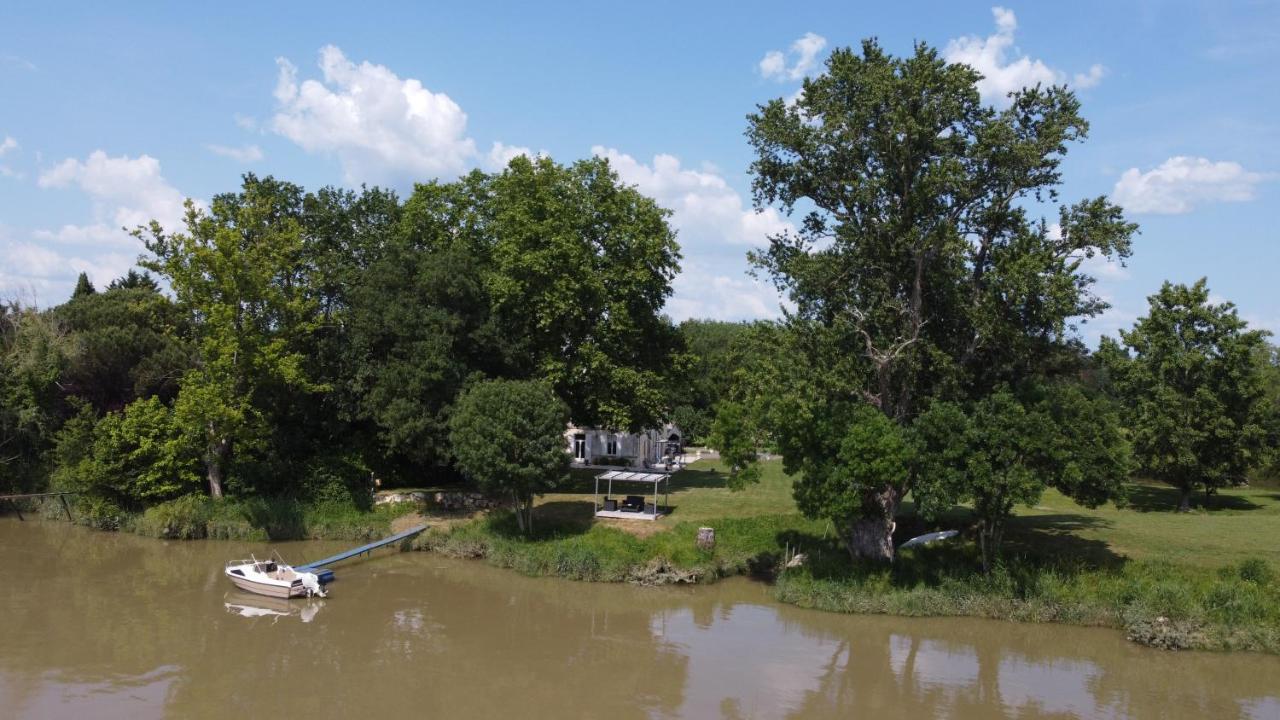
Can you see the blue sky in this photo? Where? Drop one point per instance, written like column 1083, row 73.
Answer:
column 109, row 116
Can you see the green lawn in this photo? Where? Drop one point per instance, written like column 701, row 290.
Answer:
column 1206, row 579
column 1239, row 523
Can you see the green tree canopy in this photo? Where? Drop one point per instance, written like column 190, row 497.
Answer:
column 239, row 270
column 1004, row 451
column 1189, row 375
column 508, row 438
column 83, row 286
column 918, row 272
column 130, row 342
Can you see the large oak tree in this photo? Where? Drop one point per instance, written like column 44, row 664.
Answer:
column 919, row 272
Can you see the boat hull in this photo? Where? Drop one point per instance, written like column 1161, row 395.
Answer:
column 276, row 590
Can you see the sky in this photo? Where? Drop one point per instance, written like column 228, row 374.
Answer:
column 110, row 116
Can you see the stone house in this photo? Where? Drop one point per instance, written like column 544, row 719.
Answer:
column 656, row 447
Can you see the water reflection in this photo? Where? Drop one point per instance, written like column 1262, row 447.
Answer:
column 259, row 606
column 110, row 625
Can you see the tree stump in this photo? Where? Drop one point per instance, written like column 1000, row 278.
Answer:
column 706, row 538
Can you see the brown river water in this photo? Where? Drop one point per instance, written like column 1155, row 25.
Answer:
column 101, row 625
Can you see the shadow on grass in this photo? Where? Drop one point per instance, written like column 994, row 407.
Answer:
column 582, row 481
column 1030, row 542
column 556, row 519
column 1163, row 498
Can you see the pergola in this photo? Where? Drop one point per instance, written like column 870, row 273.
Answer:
column 611, row 508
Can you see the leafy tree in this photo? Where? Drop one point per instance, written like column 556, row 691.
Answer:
column 707, row 369
column 1189, row 376
column 134, row 280
column 83, row 287
column 144, row 455
column 861, row 447
column 917, row 273
column 508, row 437
column 239, row 271
column 577, row 267
column 130, row 342
column 1267, row 358
column 415, row 323
column 1005, row 451
column 35, row 350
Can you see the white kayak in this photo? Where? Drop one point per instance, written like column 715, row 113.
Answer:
column 929, row 538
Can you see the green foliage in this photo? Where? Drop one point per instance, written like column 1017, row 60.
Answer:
column 1189, row 376
column 578, row 267
column 1268, row 360
column 508, row 438
column 706, row 373
column 84, row 288
column 1155, row 603
column 1005, row 451
column 35, row 350
column 129, row 343
column 917, row 274
column 240, row 270
column 131, row 458
column 868, row 452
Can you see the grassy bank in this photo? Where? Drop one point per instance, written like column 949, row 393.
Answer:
column 197, row 517
column 1205, row 579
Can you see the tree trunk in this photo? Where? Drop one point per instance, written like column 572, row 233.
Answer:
column 215, row 462
column 519, row 508
column 1184, row 499
column 990, row 536
column 871, row 539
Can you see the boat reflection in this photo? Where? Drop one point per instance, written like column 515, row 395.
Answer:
column 257, row 606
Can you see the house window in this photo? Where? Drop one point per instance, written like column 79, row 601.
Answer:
column 611, row 447
column 580, row 446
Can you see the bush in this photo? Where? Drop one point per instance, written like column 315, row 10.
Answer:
column 613, row 460
column 186, row 518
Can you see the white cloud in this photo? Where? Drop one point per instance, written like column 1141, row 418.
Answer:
column 501, row 155
column 34, row 270
column 18, row 62
column 125, row 192
column 700, row 293
column 243, row 154
column 1005, row 71
column 703, row 204
column 1180, row 183
column 803, row 53
column 1084, row 81
column 7, row 145
column 382, row 128
column 245, row 122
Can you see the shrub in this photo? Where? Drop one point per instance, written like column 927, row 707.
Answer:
column 186, row 518
column 612, row 460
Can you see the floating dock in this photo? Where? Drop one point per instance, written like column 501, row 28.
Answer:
column 319, row 567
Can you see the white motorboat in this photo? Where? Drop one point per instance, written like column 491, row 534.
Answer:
column 272, row 578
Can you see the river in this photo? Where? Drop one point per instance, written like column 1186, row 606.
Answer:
column 102, row 625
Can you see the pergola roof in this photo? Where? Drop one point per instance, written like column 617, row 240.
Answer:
column 624, row 476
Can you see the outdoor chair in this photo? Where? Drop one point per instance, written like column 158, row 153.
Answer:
column 634, row 503
column 610, row 504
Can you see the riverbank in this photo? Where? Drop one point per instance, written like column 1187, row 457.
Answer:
column 197, row 517
column 1204, row 580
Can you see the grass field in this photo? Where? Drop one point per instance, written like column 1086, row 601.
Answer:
column 1204, row 579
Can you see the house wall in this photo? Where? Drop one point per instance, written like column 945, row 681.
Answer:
column 642, row 446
